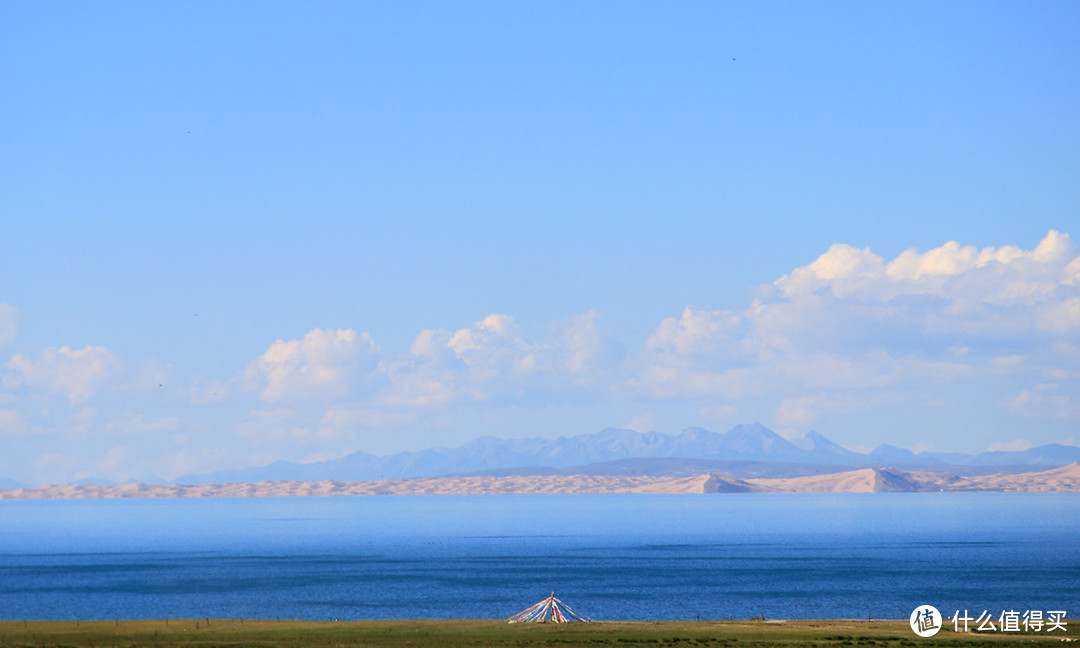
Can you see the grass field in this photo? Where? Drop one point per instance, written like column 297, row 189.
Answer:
column 231, row 633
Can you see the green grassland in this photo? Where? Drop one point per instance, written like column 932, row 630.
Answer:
column 234, row 633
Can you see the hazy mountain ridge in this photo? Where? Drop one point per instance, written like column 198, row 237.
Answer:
column 752, row 443
column 678, row 467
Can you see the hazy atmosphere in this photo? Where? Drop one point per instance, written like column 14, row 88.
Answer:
column 236, row 233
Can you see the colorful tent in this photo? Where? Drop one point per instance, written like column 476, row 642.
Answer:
column 550, row 609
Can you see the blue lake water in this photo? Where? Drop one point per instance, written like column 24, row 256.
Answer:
column 608, row 556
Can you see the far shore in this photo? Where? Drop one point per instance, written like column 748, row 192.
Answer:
column 866, row 480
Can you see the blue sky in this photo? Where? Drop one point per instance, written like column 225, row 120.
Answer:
column 325, row 227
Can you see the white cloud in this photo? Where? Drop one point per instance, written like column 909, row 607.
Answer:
column 645, row 422
column 9, row 325
column 432, row 343
column 1062, row 317
column 495, row 358
column 75, row 373
column 1071, row 273
column 493, row 349
column 1003, row 276
column 414, row 382
column 483, row 336
column 323, row 365
column 849, row 331
column 843, row 269
column 850, row 322
column 583, row 349
column 1016, row 445
column 698, row 332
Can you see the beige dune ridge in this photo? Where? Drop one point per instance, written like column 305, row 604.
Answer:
column 865, row 480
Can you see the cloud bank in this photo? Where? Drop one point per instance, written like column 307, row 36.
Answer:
column 834, row 335
column 848, row 332
column 76, row 374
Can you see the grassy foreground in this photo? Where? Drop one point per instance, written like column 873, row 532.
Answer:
column 228, row 633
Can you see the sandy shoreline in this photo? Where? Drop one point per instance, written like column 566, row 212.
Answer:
column 866, row 480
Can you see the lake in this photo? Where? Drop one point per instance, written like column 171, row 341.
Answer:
column 647, row 557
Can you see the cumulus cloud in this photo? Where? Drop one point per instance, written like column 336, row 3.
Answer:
column 75, row 373
column 848, row 331
column 698, row 353
column 423, row 382
column 583, row 349
column 1001, row 293
column 323, row 365
column 431, row 374
column 850, row 321
column 843, row 269
column 698, row 332
column 958, row 274
column 493, row 348
column 495, row 358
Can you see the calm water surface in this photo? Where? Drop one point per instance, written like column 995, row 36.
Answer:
column 609, row 556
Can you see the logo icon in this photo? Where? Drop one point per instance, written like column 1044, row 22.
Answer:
column 926, row 621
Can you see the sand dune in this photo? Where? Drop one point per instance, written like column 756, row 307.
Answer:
column 1065, row 479
column 866, row 480
column 889, row 480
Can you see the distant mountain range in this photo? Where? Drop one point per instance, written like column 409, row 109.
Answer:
column 745, row 451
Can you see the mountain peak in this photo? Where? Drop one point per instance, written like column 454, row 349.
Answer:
column 743, row 443
column 757, row 441
column 818, row 443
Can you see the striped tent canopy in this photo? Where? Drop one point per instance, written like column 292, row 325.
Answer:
column 550, row 610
